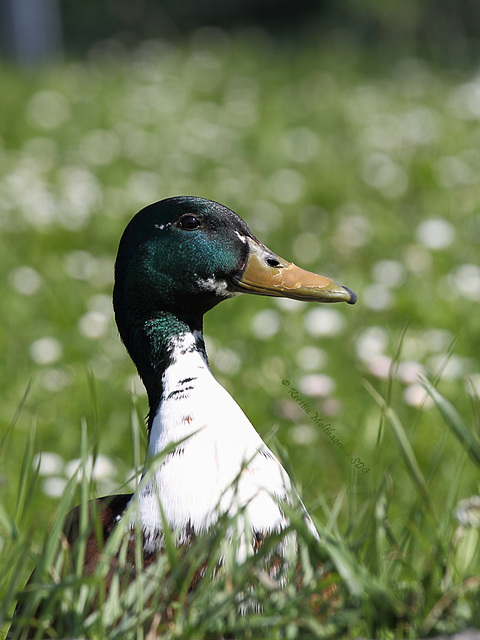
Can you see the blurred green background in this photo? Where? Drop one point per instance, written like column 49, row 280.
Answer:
column 345, row 134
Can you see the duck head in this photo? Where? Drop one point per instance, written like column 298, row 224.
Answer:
column 184, row 255
column 180, row 257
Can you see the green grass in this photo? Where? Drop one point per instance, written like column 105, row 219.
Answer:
column 336, row 161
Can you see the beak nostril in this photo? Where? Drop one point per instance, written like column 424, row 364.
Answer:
column 272, row 262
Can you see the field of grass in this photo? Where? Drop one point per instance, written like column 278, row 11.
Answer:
column 366, row 170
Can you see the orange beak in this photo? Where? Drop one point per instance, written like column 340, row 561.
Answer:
column 267, row 274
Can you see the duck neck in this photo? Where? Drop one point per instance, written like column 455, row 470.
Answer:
column 207, row 441
column 157, row 344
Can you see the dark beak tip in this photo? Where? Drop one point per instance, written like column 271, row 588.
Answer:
column 353, row 295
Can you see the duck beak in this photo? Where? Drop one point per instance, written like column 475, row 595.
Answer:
column 267, row 274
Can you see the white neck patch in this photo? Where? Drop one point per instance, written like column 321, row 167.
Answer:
column 219, row 287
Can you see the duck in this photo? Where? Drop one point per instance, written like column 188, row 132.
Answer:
column 177, row 259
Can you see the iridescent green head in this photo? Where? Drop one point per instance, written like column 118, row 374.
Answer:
column 183, row 255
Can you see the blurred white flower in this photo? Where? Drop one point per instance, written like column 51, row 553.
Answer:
column 452, row 171
column 301, row 144
column 409, row 371
column 286, row 185
column 102, row 469
column 416, row 396
column 46, row 350
column 94, row 324
column 303, row 434
column 389, row 273
column 48, row 109
column 25, row 280
column 324, row 322
column 467, row 512
column 377, row 297
column 466, row 281
column 265, row 324
column 54, row 486
column 435, row 233
column 49, row 463
column 372, row 342
column 385, row 175
column 311, row 358
column 317, row 384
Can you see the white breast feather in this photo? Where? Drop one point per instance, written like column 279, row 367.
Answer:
column 194, row 484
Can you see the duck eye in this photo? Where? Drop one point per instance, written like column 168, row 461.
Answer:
column 188, row 221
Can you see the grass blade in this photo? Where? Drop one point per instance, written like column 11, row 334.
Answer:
column 404, row 446
column 454, row 421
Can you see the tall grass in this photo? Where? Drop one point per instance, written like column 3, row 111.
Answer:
column 387, row 573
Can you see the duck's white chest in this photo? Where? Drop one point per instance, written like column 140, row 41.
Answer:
column 219, row 463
